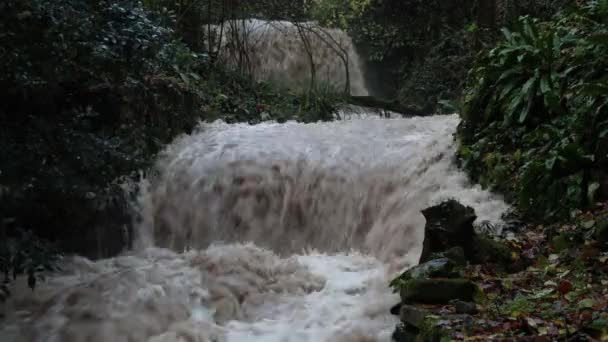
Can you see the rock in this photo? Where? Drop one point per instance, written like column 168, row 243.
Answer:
column 404, row 333
column 413, row 315
column 465, row 307
column 449, row 224
column 487, row 250
column 455, row 254
column 449, row 232
column 395, row 310
column 438, row 291
column 430, row 331
column 436, row 268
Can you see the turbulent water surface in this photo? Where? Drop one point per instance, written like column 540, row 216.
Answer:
column 272, row 232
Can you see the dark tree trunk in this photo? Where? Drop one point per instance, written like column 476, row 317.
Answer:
column 486, row 14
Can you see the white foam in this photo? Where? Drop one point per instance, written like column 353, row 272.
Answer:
column 339, row 203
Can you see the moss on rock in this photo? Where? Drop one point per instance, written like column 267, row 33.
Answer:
column 438, row 291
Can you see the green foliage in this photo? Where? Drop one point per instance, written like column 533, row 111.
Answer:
column 518, row 307
column 339, row 13
column 421, row 49
column 92, row 91
column 535, row 117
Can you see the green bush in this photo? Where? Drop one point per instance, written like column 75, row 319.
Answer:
column 535, row 117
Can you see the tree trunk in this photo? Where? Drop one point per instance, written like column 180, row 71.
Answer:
column 486, row 13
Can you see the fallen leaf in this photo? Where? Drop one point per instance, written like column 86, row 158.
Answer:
column 588, row 224
column 543, row 293
column 514, row 256
column 586, row 303
column 561, row 242
column 531, row 322
column 599, row 324
column 570, row 296
column 589, row 252
column 586, row 316
column 564, row 286
column 550, row 283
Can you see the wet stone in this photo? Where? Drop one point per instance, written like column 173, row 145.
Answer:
column 454, row 254
column 465, row 307
column 438, row 291
column 448, row 225
column 405, row 333
column 437, row 268
column 413, row 315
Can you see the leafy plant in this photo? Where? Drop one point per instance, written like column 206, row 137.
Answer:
column 535, row 115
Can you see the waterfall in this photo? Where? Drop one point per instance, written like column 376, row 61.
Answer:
column 268, row 232
column 281, row 51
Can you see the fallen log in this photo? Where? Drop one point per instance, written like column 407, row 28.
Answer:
column 385, row 105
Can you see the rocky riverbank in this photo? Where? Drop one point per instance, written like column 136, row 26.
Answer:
column 535, row 283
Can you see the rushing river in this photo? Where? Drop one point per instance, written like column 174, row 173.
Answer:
column 272, row 232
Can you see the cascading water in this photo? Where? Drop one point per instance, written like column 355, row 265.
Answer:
column 272, row 232
column 280, row 51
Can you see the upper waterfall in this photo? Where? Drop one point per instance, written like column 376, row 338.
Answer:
column 287, row 52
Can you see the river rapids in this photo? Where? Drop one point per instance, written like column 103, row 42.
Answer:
column 270, row 232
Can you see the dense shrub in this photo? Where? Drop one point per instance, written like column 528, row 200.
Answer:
column 535, row 119
column 410, row 43
column 420, row 50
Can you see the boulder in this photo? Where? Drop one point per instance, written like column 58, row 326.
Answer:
column 488, row 250
column 438, row 291
column 449, row 233
column 465, row 307
column 454, row 254
column 436, row 268
column 448, row 225
column 405, row 333
column 413, row 315
column 428, row 329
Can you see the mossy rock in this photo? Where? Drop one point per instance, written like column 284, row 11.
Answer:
column 429, row 331
column 405, row 333
column 487, row 250
column 432, row 332
column 448, row 224
column 413, row 315
column 438, row 291
column 455, row 254
column 437, row 268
